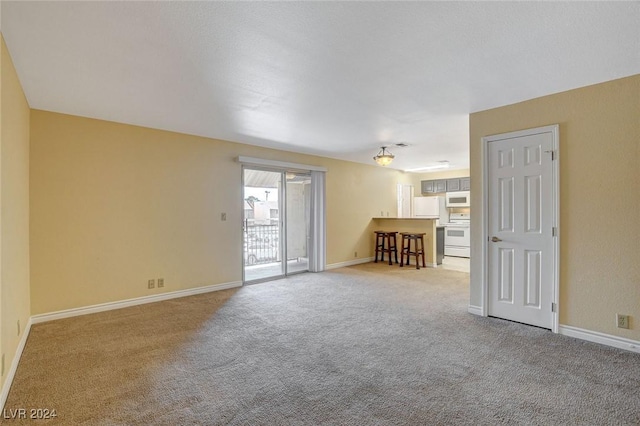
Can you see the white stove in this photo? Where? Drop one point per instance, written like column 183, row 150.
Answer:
column 457, row 238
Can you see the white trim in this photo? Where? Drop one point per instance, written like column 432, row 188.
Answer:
column 253, row 161
column 348, row 263
column 555, row 165
column 554, row 129
column 367, row 260
column 601, row 338
column 475, row 310
column 14, row 364
column 484, row 231
column 68, row 313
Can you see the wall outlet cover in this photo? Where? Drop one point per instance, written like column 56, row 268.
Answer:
column 622, row 321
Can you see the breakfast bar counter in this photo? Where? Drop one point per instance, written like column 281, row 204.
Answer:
column 415, row 225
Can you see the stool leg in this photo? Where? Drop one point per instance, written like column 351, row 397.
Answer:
column 407, row 251
column 401, row 251
column 424, row 264
column 385, row 244
column 389, row 247
column 375, row 259
column 395, row 247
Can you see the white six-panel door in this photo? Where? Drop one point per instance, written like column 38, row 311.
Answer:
column 521, row 227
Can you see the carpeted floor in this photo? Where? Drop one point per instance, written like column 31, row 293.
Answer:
column 370, row 344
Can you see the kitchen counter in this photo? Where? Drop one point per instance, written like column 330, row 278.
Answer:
column 412, row 224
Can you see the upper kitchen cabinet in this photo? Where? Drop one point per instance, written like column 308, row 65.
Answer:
column 453, row 185
column 433, row 186
column 445, row 185
column 427, row 186
column 465, row 184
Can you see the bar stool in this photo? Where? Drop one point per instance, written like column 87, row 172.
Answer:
column 387, row 238
column 418, row 252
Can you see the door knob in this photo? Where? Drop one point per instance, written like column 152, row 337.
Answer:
column 496, row 239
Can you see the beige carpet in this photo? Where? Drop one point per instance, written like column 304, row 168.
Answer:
column 371, row 344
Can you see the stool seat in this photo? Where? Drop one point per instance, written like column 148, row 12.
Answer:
column 386, row 243
column 418, row 249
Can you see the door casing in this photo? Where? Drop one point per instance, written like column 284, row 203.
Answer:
column 555, row 132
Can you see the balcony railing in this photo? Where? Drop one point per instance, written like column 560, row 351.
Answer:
column 261, row 243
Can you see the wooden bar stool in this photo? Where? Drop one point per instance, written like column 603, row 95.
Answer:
column 418, row 249
column 386, row 243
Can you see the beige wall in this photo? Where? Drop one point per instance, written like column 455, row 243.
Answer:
column 14, row 209
column 114, row 205
column 599, row 198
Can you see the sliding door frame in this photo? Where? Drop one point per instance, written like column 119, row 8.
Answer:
column 281, row 167
column 282, row 243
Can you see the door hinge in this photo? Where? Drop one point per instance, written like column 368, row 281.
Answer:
column 554, row 307
column 554, row 231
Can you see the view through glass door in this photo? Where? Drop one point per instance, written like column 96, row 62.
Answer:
column 298, row 221
column 276, row 223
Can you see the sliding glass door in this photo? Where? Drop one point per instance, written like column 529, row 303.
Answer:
column 297, row 220
column 275, row 223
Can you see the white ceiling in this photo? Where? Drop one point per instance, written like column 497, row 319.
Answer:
column 338, row 79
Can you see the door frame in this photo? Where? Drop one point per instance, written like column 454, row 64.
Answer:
column 555, row 197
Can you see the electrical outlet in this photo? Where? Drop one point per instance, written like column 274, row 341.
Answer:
column 151, row 284
column 223, row 216
column 160, row 282
column 622, row 321
column 355, row 254
column 18, row 327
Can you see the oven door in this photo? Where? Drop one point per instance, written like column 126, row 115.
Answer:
column 457, row 236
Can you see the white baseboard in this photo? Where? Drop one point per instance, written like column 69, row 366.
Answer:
column 364, row 260
column 348, row 263
column 602, row 338
column 68, row 313
column 14, row 364
column 475, row 310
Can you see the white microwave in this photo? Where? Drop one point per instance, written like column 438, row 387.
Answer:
column 458, row 199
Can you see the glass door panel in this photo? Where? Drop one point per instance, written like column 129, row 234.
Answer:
column 298, row 217
column 262, row 230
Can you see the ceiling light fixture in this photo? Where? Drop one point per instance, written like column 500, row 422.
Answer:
column 384, row 157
